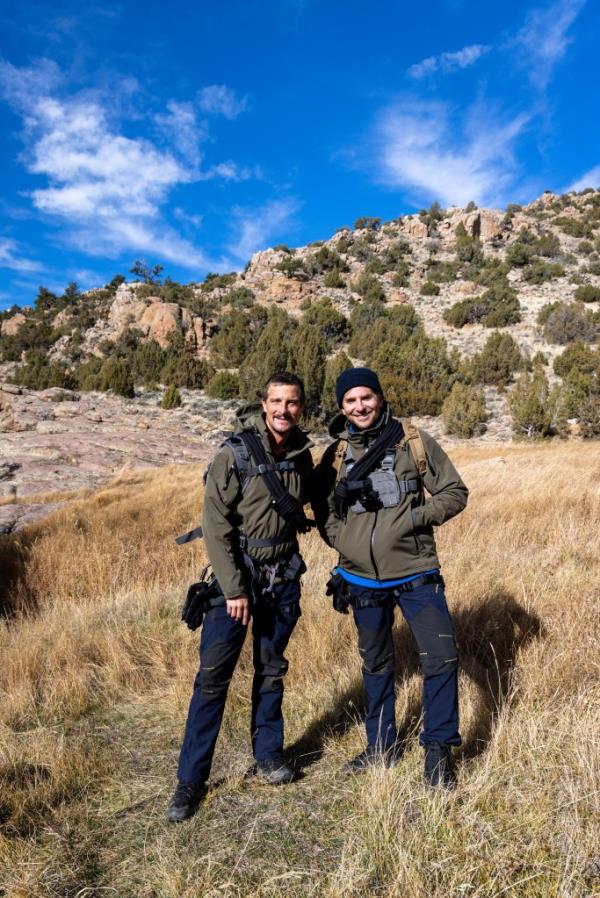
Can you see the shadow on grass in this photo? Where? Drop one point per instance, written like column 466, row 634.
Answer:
column 489, row 636
column 15, row 595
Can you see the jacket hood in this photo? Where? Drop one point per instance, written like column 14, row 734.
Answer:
column 338, row 428
column 246, row 416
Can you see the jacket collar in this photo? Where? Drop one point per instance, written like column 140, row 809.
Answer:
column 340, row 428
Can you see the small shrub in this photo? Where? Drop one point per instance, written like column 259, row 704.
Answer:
column 442, row 272
column 239, row 298
column 538, row 272
column 566, row 322
column 333, row 326
column 467, row 248
column 463, row 410
column 497, row 361
column 518, row 254
column 417, row 374
column 116, row 375
column 588, row 293
column 333, row 278
column 290, row 266
column 361, row 250
column 369, row 288
column 579, row 356
column 324, row 260
column 547, row 245
column 498, row 307
column 217, row 281
column 171, row 398
column 367, row 222
column 223, row 385
column 428, row 288
column 574, row 227
column 533, row 405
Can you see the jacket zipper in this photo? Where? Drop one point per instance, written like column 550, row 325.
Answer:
column 372, row 548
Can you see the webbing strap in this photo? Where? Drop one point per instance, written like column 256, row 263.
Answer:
column 390, row 435
column 243, row 540
column 284, row 504
column 248, row 542
column 264, row 469
column 196, row 533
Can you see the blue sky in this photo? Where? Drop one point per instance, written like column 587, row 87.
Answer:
column 192, row 135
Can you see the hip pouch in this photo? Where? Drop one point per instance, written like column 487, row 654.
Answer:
column 337, row 588
column 200, row 598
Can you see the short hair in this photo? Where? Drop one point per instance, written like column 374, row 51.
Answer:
column 286, row 379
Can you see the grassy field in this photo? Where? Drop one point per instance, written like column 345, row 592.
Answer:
column 96, row 672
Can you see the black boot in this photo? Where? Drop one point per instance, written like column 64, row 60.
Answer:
column 438, row 766
column 184, row 802
column 275, row 771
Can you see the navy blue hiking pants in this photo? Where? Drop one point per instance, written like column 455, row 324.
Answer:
column 426, row 612
column 221, row 642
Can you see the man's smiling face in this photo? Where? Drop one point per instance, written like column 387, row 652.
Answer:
column 283, row 409
column 362, row 407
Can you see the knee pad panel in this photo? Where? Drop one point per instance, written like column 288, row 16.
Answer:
column 216, row 667
column 376, row 648
column 434, row 636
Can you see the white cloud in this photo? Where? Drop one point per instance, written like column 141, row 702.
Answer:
column 11, row 257
column 590, row 179
column 544, row 38
column 108, row 188
column 417, row 145
column 181, row 127
column 448, row 62
column 256, row 228
column 218, row 99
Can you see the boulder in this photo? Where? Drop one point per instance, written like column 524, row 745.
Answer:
column 414, row 227
column 10, row 326
column 159, row 320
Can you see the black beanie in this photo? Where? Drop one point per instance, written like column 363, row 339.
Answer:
column 356, row 377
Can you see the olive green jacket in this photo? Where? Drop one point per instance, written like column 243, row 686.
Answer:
column 227, row 512
column 390, row 543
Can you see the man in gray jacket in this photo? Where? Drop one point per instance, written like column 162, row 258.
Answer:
column 381, row 523
column 253, row 549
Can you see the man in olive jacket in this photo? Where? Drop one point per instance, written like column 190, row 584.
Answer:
column 382, row 527
column 254, row 553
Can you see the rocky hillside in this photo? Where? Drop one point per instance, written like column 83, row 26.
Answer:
column 454, row 307
column 409, row 258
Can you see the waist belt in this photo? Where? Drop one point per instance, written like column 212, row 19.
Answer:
column 423, row 580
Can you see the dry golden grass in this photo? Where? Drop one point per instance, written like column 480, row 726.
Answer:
column 96, row 670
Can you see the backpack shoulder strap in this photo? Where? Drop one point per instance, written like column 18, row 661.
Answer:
column 415, row 444
column 339, row 456
column 241, row 457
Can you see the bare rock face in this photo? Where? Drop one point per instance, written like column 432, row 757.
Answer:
column 54, row 441
column 414, row 227
column 288, row 290
column 10, row 326
column 491, row 224
column 159, row 320
column 126, row 310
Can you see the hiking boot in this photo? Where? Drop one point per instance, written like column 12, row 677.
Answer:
column 275, row 771
column 184, row 802
column 371, row 757
column 438, row 766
